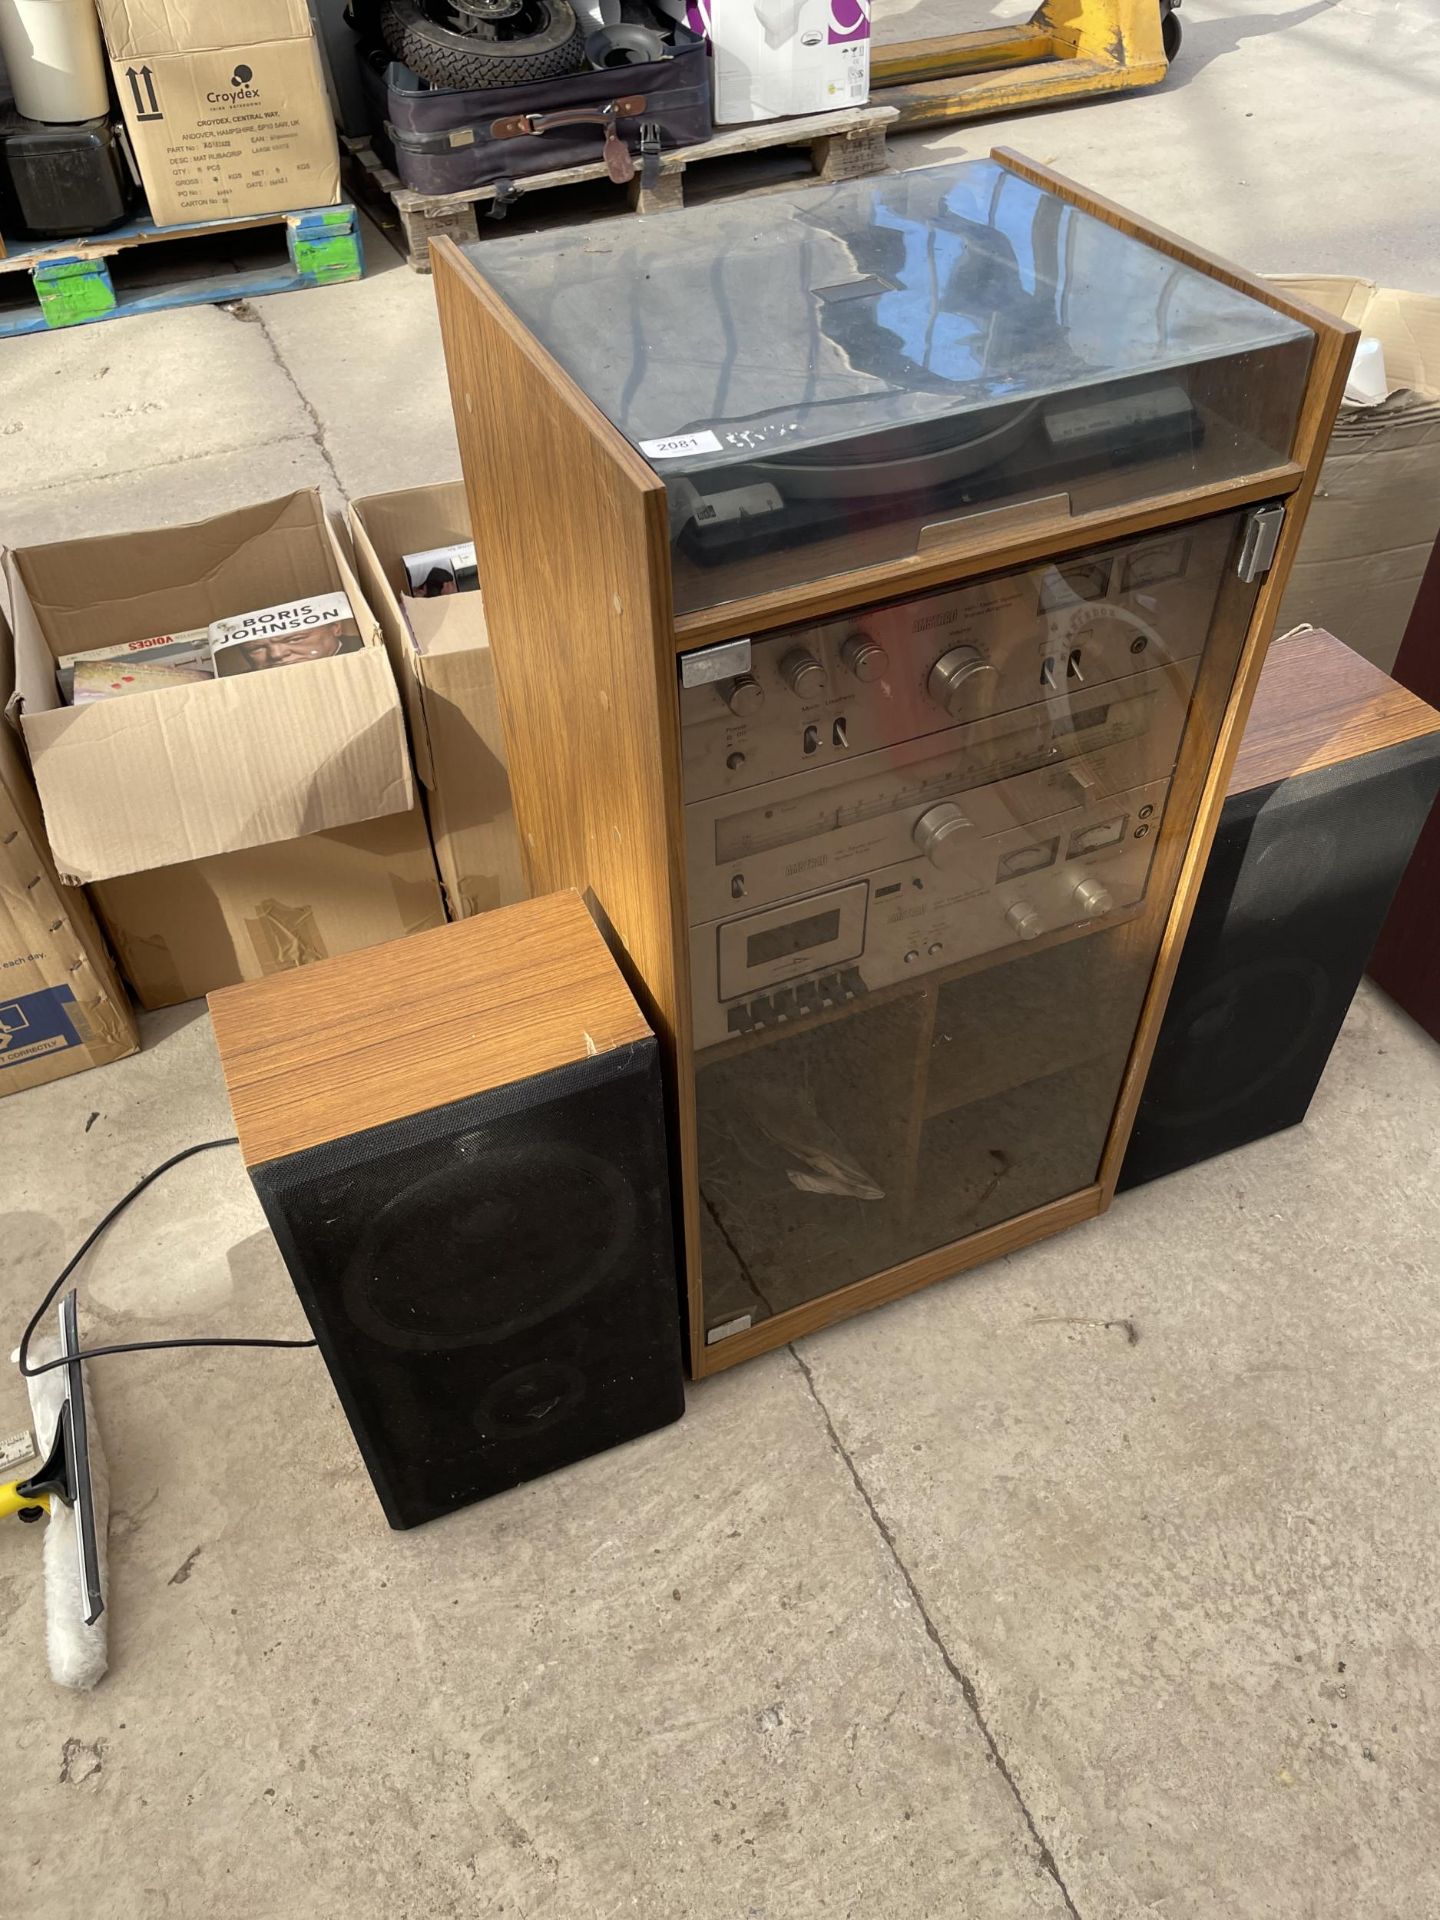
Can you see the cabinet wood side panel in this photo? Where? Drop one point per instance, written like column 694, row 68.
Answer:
column 571, row 537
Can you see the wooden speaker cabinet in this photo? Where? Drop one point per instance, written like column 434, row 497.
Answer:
column 459, row 1141
column 878, row 577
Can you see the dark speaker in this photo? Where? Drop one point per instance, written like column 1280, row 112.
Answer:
column 1336, row 774
column 459, row 1142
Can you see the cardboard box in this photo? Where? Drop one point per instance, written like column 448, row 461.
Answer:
column 226, row 107
column 776, row 57
column 1376, row 511
column 182, row 931
column 62, row 1007
column 244, row 824
column 159, row 778
column 441, row 654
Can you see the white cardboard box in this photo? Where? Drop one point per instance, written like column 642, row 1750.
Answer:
column 770, row 58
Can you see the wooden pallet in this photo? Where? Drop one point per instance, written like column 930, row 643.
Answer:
column 142, row 268
column 841, row 146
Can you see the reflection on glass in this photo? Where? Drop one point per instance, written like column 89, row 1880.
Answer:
column 1062, row 586
column 915, row 1025
column 819, row 386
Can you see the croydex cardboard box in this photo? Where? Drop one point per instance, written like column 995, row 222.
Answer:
column 1376, row 510
column 441, row 654
column 226, row 106
column 62, row 1007
column 776, row 57
column 182, row 807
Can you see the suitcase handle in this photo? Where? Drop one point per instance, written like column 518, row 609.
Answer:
column 516, row 124
column 618, row 161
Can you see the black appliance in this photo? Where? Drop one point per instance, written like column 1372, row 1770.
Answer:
column 63, row 182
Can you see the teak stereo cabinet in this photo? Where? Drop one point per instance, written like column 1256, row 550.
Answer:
column 572, row 532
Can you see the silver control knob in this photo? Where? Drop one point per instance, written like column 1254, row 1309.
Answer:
column 940, row 834
column 865, row 657
column 804, row 675
column 956, row 677
column 1092, row 899
column 744, row 695
column 1024, row 919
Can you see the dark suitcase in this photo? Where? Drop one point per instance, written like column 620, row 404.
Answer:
column 442, row 140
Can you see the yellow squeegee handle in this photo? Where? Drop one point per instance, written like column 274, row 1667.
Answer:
column 27, row 1504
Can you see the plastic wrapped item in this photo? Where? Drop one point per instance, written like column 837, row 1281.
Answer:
column 58, row 182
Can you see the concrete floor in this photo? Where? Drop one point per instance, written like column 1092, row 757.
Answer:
column 970, row 1608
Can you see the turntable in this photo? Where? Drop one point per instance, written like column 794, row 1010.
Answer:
column 877, row 577
column 875, row 361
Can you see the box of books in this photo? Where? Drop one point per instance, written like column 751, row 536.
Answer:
column 162, row 745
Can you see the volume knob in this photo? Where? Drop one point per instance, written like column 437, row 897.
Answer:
column 1092, row 899
column 865, row 657
column 1024, row 919
column 940, row 834
column 956, row 677
column 744, row 695
column 804, row 675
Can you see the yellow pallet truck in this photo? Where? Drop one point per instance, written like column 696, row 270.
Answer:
column 1069, row 49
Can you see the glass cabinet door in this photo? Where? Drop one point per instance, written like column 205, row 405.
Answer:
column 931, row 849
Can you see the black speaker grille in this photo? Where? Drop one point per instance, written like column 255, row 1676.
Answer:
column 1236, row 1038
column 492, row 1283
column 1297, row 887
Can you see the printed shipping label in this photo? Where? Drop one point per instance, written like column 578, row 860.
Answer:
column 36, row 1023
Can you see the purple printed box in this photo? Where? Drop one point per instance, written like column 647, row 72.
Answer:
column 776, row 57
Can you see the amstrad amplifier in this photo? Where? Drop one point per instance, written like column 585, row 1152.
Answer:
column 877, row 578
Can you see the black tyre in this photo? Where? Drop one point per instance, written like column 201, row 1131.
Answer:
column 1171, row 34
column 554, row 47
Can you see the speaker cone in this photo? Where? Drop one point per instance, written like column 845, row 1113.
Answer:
column 487, row 1214
column 530, row 1400
column 1226, row 1044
